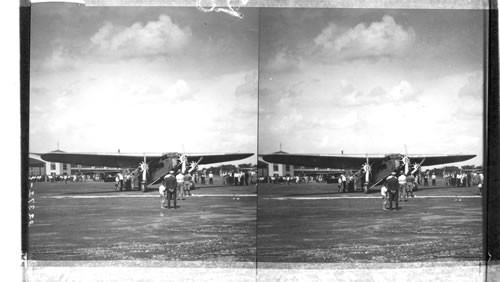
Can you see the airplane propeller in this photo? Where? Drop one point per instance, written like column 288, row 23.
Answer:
column 406, row 161
column 194, row 165
column 183, row 162
column 367, row 169
column 416, row 166
column 144, row 166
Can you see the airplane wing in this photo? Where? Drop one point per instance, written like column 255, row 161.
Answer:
column 439, row 159
column 217, row 158
column 322, row 161
column 98, row 159
column 132, row 160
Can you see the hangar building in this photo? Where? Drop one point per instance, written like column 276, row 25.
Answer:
column 270, row 169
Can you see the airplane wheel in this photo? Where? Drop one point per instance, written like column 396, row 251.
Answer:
column 365, row 189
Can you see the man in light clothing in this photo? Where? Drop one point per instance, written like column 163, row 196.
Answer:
column 344, row 182
column 117, row 182
column 402, row 187
column 180, row 186
column 210, row 178
column 410, row 185
column 188, row 183
column 120, row 179
column 383, row 193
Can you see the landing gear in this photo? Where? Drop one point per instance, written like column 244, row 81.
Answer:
column 143, row 187
column 365, row 189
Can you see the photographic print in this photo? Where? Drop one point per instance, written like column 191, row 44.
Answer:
column 255, row 140
column 370, row 135
column 143, row 134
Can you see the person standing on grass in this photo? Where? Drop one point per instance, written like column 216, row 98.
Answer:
column 210, row 178
column 402, row 187
column 180, row 186
column 410, row 185
column 393, row 187
column 383, row 193
column 188, row 183
column 170, row 184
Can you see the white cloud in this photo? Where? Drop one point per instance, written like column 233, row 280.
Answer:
column 470, row 96
column 325, row 141
column 284, row 59
column 379, row 116
column 119, row 110
column 154, row 38
column 142, row 87
column 348, row 95
column 473, row 88
column 248, row 88
column 178, row 89
column 403, row 91
column 161, row 37
column 60, row 59
column 346, row 86
column 384, row 38
column 326, row 38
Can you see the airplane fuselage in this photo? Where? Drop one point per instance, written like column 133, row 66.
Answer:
column 380, row 169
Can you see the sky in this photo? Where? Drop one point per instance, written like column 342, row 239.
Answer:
column 315, row 80
column 142, row 80
column 371, row 81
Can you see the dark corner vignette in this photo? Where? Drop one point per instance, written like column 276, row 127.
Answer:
column 492, row 215
column 24, row 36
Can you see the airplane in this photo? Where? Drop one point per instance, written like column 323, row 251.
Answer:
column 152, row 166
column 376, row 168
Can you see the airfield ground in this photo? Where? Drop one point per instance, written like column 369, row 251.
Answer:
column 298, row 223
column 315, row 223
column 90, row 221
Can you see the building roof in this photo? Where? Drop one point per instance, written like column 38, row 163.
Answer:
column 261, row 164
column 36, row 163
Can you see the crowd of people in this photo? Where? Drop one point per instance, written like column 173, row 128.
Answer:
column 126, row 182
column 401, row 188
column 241, row 178
column 65, row 178
column 203, row 176
column 464, row 179
column 350, row 182
column 176, row 187
column 397, row 189
column 298, row 179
